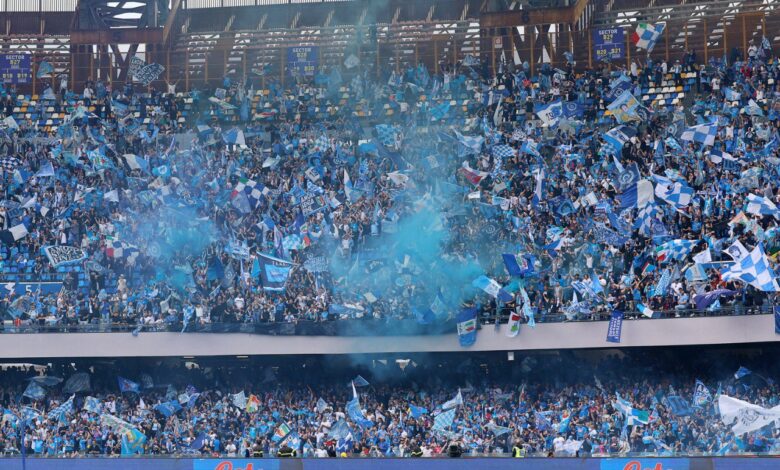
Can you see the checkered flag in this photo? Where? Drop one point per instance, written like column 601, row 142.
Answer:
column 753, row 269
column 645, row 219
column 9, row 163
column 503, row 151
column 703, row 133
column 761, row 206
column 675, row 250
column 647, row 35
column 386, row 134
column 518, row 135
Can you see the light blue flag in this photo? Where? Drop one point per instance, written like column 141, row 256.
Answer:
column 44, row 69
column 34, row 391
column 93, row 405
column 443, row 421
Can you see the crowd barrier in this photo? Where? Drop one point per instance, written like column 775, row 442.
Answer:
column 355, row 327
column 640, row 463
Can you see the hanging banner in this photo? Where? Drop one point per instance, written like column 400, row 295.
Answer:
column 609, row 44
column 15, row 68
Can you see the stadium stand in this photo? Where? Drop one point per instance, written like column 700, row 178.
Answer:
column 383, row 177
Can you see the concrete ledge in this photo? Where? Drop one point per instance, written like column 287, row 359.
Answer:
column 668, row 332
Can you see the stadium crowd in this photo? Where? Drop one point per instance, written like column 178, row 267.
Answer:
column 603, row 405
column 384, row 195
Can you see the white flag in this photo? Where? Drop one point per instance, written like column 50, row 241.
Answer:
column 703, row 257
column 458, row 400
column 746, row 417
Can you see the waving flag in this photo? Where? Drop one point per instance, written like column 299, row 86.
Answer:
column 513, row 326
column 616, row 138
column 168, row 409
column 34, row 391
column 703, row 133
column 417, row 411
column 625, row 108
column 518, row 265
column 472, row 143
column 731, row 94
column 539, row 188
column 706, row 299
column 93, row 405
column 234, row 136
column 359, row 381
column 701, row 394
column 492, row 288
column 754, row 269
column 473, row 176
column 443, row 421
column 281, row 432
column 742, row 372
column 126, row 385
column 134, row 162
column 633, row 416
column 60, row 413
column 646, row 35
column 675, row 193
column 530, row 147
column 44, row 68
column 133, row 440
column 273, row 272
column 745, row 417
column 78, row 382
column 761, row 206
column 550, row 113
column 675, row 250
column 386, row 134
column 355, row 413
column 647, row 218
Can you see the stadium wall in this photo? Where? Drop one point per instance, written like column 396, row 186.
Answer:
column 578, row 335
column 725, row 463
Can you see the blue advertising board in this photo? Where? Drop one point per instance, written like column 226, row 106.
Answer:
column 303, row 60
column 15, row 68
column 609, row 44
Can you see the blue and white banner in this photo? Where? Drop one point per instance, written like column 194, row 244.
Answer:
column 615, row 327
column 61, row 255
